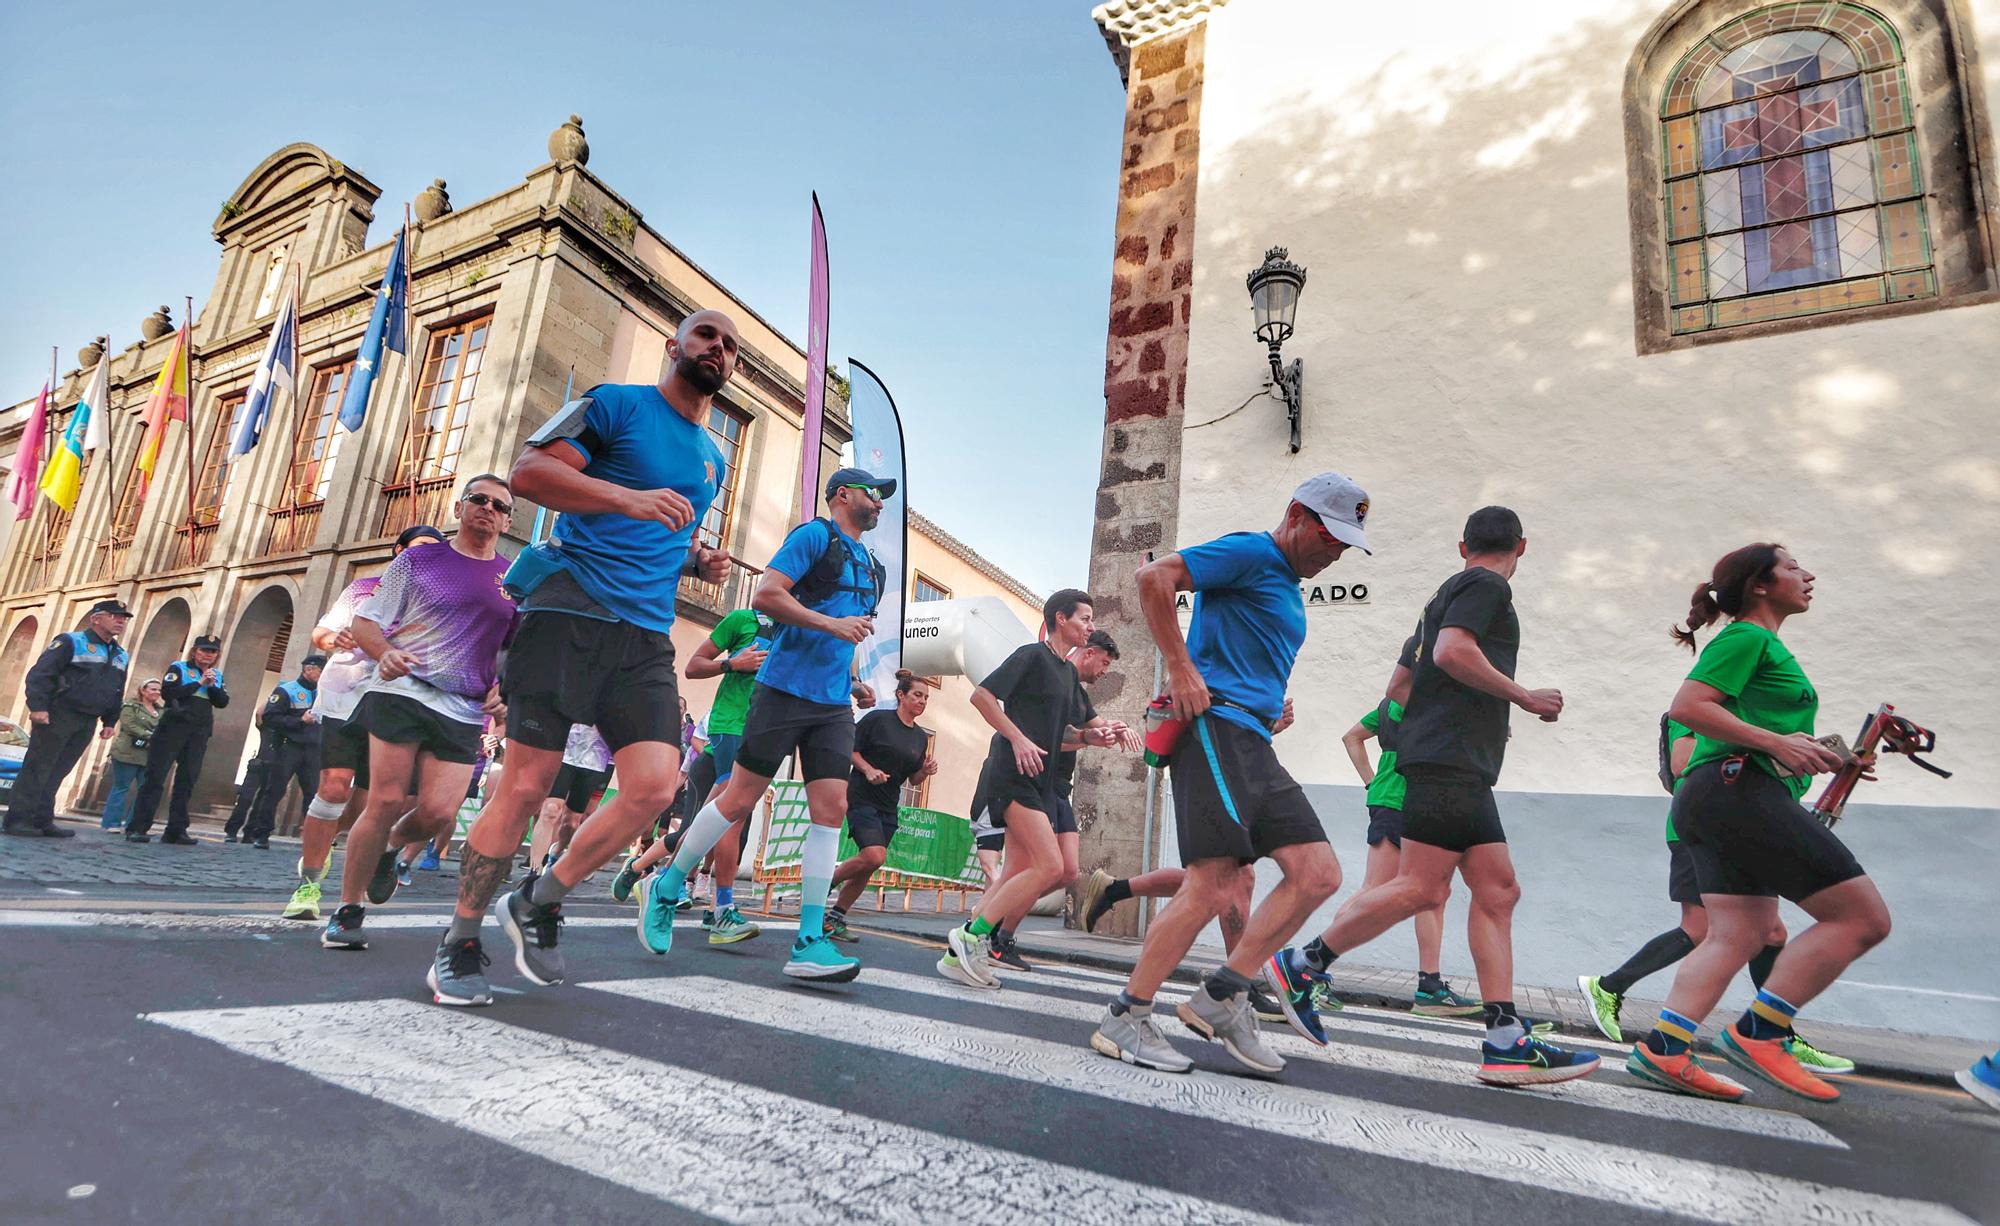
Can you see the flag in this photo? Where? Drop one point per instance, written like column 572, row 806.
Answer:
column 878, row 447
column 27, row 458
column 97, row 398
column 385, row 330
column 168, row 403
column 63, row 478
column 277, row 369
column 815, row 371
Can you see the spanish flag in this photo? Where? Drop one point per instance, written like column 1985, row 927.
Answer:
column 169, row 403
column 62, row 480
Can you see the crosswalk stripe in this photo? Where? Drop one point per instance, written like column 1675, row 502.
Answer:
column 1576, row 1166
column 391, row 921
column 757, row 1156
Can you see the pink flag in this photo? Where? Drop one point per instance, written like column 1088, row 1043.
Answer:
column 28, row 458
column 815, row 372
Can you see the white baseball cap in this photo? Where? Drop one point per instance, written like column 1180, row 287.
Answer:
column 1340, row 504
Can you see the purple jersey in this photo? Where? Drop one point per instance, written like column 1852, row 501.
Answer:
column 448, row 611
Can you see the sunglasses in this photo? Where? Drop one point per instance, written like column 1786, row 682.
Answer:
column 866, row 489
column 488, row 500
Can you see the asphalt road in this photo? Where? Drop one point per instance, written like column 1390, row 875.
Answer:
column 216, row 1065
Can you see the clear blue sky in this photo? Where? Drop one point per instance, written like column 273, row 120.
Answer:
column 966, row 158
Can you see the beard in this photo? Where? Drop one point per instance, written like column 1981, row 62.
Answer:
column 867, row 520
column 706, row 379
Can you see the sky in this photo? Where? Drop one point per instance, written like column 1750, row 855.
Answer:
column 967, row 166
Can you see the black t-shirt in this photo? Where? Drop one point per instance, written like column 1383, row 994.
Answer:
column 1446, row 723
column 888, row 744
column 1082, row 711
column 1039, row 691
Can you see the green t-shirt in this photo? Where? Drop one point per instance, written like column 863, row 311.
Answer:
column 740, row 630
column 1389, row 786
column 1676, row 732
column 1762, row 685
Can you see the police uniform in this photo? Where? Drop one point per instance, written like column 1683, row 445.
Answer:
column 80, row 682
column 290, row 751
column 179, row 745
column 246, row 791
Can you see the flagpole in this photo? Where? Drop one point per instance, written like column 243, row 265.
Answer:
column 187, row 356
column 416, row 468
column 49, row 419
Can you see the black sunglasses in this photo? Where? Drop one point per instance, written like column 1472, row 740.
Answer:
column 488, row 500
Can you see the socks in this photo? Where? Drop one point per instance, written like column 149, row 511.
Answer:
column 1672, row 1035
column 1503, row 1025
column 979, row 926
column 1223, row 983
column 1768, row 1017
column 1760, row 966
column 1003, row 937
column 816, row 877
column 313, row 874
column 1117, row 892
column 547, row 891
column 461, row 928
column 1317, row 955
column 1430, row 981
column 1138, row 1006
column 705, row 832
column 1655, row 955
column 725, row 897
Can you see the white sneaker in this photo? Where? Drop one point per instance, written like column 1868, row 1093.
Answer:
column 969, row 959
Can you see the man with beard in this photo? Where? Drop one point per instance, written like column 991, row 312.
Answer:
column 632, row 470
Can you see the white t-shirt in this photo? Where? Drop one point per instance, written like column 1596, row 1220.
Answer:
column 347, row 673
column 586, row 750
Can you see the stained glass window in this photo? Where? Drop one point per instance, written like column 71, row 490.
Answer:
column 1792, row 182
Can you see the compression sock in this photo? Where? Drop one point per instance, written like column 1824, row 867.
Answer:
column 1118, row 891
column 980, row 926
column 1223, row 983
column 816, row 877
column 1138, row 1006
column 1430, row 981
column 1760, row 966
column 1768, row 1017
column 1672, row 1035
column 547, row 891
column 461, row 927
column 1655, row 955
column 1317, row 955
column 1503, row 1025
column 703, row 833
column 725, row 897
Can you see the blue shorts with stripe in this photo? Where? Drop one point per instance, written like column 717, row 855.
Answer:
column 1231, row 797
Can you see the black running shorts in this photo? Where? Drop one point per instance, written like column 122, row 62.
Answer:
column 343, row 746
column 997, row 841
column 1449, row 808
column 577, row 785
column 402, row 720
column 1385, row 823
column 1682, row 885
column 1062, row 818
column 871, row 827
column 564, row 668
column 779, row 723
column 1748, row 836
column 1232, row 800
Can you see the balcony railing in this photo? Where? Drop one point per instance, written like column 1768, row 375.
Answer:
column 192, row 545
column 416, row 502
column 293, row 528
column 111, row 556
column 731, row 594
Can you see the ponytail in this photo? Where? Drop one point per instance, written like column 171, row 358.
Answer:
column 1727, row 589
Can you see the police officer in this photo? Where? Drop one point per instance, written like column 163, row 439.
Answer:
column 290, row 747
column 194, row 690
column 253, row 783
column 79, row 681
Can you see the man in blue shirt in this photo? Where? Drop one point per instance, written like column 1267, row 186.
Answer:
column 1233, row 802
column 821, row 588
column 632, row 470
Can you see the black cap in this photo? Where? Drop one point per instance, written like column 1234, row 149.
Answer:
column 883, row 486
column 315, row 660
column 207, row 640
column 114, row 607
column 415, row 533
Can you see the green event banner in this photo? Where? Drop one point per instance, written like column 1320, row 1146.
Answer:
column 929, row 844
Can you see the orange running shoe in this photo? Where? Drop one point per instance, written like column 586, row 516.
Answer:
column 1683, row 1074
column 1768, row 1059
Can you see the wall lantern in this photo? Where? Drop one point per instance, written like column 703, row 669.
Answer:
column 1274, row 299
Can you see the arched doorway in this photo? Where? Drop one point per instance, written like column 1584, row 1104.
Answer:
column 23, row 645
column 163, row 641
column 253, row 657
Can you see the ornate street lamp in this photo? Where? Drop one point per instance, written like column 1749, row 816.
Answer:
column 1274, row 300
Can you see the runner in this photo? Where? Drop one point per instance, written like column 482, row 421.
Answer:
column 290, row 748
column 1449, row 745
column 1737, row 809
column 1234, row 803
column 1982, row 1080
column 435, row 626
column 821, row 588
column 343, row 748
column 194, row 690
column 632, row 469
column 890, row 749
column 579, row 784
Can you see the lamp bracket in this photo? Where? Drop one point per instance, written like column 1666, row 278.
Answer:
column 1290, row 381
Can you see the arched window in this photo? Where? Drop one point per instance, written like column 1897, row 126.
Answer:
column 1788, row 171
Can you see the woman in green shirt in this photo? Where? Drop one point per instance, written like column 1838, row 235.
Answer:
column 141, row 714
column 1737, row 809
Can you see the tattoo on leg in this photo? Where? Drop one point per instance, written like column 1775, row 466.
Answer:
column 480, row 877
column 1232, row 922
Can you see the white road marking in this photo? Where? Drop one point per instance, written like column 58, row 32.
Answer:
column 757, row 1156
column 56, row 889
column 394, row 920
column 1896, row 987
column 1571, row 1165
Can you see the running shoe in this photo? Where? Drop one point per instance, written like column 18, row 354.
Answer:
column 458, row 974
column 1266, row 1009
column 1323, row 999
column 837, row 930
column 1767, row 1058
column 686, row 901
column 1090, row 898
column 428, row 862
column 1009, row 955
column 1295, row 985
column 305, row 902
column 1683, row 1074
column 815, row 958
column 656, row 917
column 1537, row 1026
column 1446, row 1003
column 1230, row 1023
column 730, row 927
column 1137, row 1040
column 343, row 931
column 707, row 919
column 1982, row 1081
column 1529, row 1061
column 382, row 882
column 1604, row 1007
column 963, row 953
column 403, row 870
column 1824, row 1063
column 626, row 877
column 534, row 931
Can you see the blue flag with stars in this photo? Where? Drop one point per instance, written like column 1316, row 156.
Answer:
column 387, row 329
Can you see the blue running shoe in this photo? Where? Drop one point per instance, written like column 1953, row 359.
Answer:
column 1532, row 1062
column 1292, row 981
column 656, row 916
column 1982, row 1080
column 816, row 958
column 428, row 862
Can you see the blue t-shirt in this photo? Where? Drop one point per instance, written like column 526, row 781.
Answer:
column 629, row 435
column 808, row 663
column 1249, row 622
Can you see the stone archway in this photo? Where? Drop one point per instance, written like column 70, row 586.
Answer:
column 163, row 641
column 23, row 645
column 253, row 654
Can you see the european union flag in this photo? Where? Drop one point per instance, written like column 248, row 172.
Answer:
column 387, row 328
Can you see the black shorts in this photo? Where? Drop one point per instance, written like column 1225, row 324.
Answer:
column 779, row 723
column 1682, row 885
column 402, row 720
column 1747, row 836
column 1385, row 823
column 1063, row 816
column 997, row 841
column 343, row 746
column 871, row 827
column 1009, row 788
column 1232, row 800
column 1449, row 808
column 564, row 669
column 577, row 785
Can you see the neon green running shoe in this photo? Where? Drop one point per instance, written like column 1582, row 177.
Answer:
column 730, row 927
column 1604, row 1007
column 305, row 904
column 1323, row 999
column 1825, row 1063
column 837, row 930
